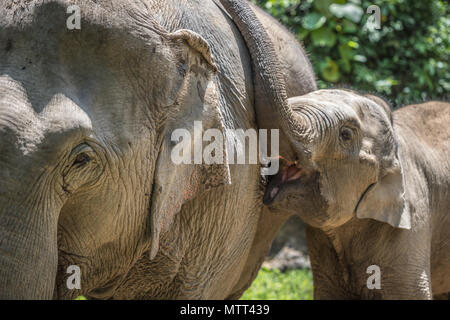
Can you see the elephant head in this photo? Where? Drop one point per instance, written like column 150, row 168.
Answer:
column 346, row 160
column 86, row 116
column 347, row 166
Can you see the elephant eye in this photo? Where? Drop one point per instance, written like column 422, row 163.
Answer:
column 82, row 154
column 346, row 134
column 81, row 159
column 83, row 167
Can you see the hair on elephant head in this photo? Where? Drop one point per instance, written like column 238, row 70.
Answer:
column 347, row 166
column 86, row 140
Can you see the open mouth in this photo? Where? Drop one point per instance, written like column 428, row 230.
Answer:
column 290, row 173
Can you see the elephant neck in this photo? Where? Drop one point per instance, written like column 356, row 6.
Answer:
column 337, row 242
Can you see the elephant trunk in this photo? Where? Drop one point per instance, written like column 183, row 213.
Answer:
column 28, row 248
column 268, row 79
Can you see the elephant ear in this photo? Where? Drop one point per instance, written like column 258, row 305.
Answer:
column 176, row 183
column 382, row 103
column 385, row 200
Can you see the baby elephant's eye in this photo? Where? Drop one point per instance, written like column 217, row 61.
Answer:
column 346, row 134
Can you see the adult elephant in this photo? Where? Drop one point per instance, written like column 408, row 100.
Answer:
column 86, row 178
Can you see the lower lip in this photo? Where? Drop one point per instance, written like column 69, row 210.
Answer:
column 274, row 192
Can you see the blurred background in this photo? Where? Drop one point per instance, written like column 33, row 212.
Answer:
column 405, row 61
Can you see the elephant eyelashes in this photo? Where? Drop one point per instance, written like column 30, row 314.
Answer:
column 81, row 155
column 81, row 159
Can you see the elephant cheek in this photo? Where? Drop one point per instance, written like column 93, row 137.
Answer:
column 176, row 184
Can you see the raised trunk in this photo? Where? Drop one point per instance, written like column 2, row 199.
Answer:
column 29, row 207
column 28, row 250
column 268, row 79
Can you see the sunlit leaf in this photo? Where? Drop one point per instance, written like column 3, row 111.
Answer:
column 360, row 58
column 349, row 11
column 313, row 21
column 353, row 44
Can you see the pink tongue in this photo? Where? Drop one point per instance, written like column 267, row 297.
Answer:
column 291, row 173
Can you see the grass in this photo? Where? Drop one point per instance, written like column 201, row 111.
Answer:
column 271, row 284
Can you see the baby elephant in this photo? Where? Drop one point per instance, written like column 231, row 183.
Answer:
column 373, row 187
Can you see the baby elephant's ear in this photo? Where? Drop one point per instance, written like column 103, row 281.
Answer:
column 382, row 103
column 384, row 201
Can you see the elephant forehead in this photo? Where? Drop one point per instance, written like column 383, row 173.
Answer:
column 19, row 123
column 62, row 113
column 105, row 76
column 345, row 104
column 25, row 128
column 105, row 12
column 323, row 108
column 43, row 29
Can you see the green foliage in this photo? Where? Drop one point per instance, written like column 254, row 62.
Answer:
column 407, row 60
column 271, row 284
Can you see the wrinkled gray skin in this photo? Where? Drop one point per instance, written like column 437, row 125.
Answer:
column 373, row 187
column 85, row 172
